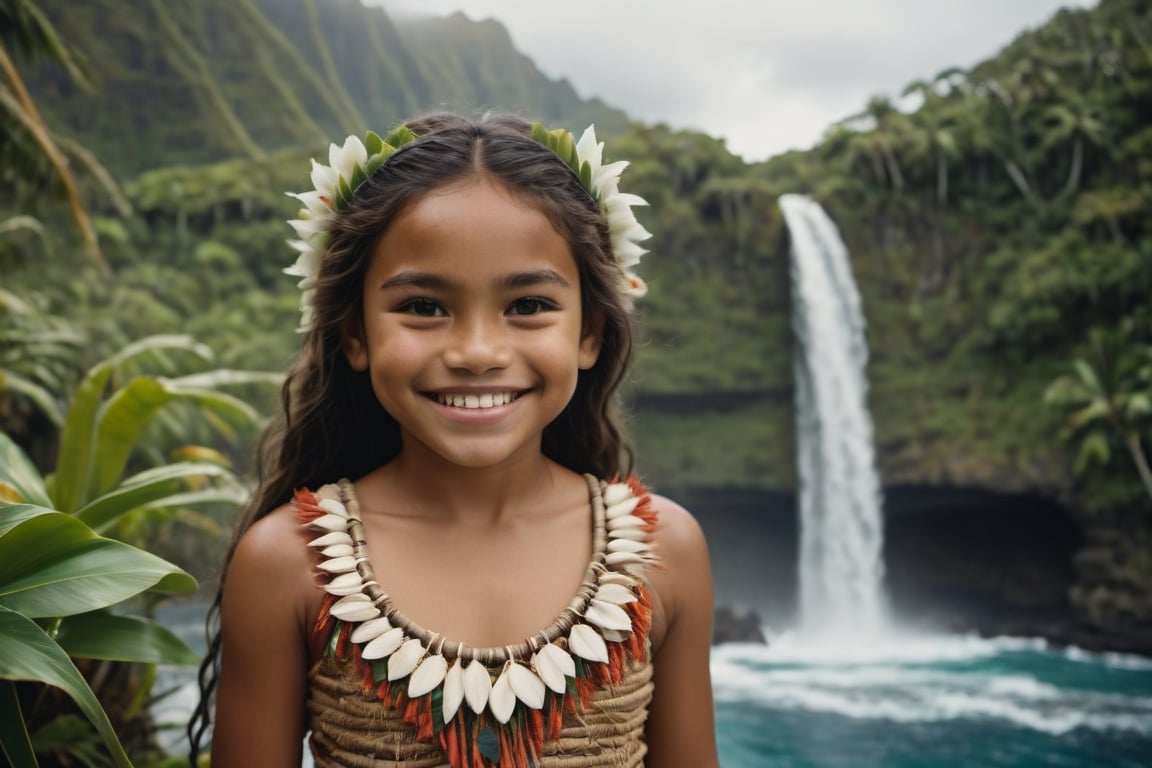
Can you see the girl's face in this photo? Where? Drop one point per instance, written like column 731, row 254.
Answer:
column 472, row 332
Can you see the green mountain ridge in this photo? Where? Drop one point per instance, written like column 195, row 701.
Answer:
column 201, row 82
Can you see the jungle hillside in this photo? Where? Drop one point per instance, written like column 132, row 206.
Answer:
column 998, row 219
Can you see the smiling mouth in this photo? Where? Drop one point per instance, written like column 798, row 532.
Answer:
column 476, row 401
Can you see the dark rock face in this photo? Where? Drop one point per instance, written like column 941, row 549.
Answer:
column 967, row 559
column 956, row 559
column 732, row 625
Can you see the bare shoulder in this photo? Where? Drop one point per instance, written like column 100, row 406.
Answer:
column 681, row 579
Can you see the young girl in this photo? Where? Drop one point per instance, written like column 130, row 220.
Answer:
column 490, row 588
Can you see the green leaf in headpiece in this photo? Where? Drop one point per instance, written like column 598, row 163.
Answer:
column 377, row 160
column 358, row 178
column 539, row 134
column 399, row 136
column 373, row 143
column 586, row 176
column 343, row 194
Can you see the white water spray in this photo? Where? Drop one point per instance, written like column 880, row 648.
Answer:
column 841, row 569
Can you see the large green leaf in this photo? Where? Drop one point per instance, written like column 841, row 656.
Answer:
column 40, row 396
column 71, row 480
column 148, row 488
column 104, row 635
column 125, row 414
column 18, row 473
column 27, row 653
column 14, row 742
column 51, row 564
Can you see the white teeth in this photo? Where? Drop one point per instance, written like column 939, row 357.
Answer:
column 486, row 400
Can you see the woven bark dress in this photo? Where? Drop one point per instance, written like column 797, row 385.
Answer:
column 387, row 692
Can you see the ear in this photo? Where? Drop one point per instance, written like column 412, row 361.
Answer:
column 590, row 342
column 354, row 346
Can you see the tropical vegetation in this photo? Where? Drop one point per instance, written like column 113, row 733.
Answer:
column 998, row 218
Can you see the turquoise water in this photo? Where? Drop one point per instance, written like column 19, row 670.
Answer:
column 942, row 702
column 951, row 701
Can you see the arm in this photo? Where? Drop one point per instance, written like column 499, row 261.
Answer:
column 260, row 710
column 681, row 729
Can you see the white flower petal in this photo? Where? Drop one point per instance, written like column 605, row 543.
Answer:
column 428, row 675
column 477, row 686
column 587, row 643
column 526, row 685
column 404, row 660
column 453, row 691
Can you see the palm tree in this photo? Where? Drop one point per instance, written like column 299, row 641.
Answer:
column 26, row 31
column 1109, row 394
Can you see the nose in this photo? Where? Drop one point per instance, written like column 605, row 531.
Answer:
column 477, row 345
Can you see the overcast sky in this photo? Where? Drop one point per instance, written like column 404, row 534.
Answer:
column 765, row 75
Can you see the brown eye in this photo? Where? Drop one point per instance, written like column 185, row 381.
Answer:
column 530, row 305
column 423, row 308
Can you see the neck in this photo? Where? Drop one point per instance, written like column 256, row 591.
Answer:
column 420, row 482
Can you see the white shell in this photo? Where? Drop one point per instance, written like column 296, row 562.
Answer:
column 357, row 607
column 617, row 594
column 607, row 615
column 333, row 507
column 344, row 584
column 384, row 645
column 586, row 643
column 625, row 521
column 330, row 523
column 428, row 675
column 616, row 493
column 404, row 660
column 337, row 550
column 526, row 685
column 636, row 534
column 328, row 539
column 615, row 635
column 453, row 691
column 616, row 577
column 477, row 686
column 624, row 545
column 339, row 565
column 502, row 700
column 622, row 558
column 554, row 664
column 623, row 508
column 370, row 630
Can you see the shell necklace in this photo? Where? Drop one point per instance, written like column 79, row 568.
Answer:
column 583, row 648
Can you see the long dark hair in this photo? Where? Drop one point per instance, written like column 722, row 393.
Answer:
column 330, row 424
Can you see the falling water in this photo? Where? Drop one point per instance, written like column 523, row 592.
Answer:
column 841, row 571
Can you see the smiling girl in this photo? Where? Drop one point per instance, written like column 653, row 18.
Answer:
column 446, row 561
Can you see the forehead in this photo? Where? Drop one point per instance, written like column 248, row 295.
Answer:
column 470, row 227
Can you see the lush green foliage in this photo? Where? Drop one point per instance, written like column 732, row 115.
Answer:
column 58, row 575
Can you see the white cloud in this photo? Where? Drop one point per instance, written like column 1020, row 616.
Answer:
column 766, row 75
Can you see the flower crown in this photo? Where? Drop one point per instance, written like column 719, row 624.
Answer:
column 350, row 165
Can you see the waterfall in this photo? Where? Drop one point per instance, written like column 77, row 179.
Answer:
column 841, row 570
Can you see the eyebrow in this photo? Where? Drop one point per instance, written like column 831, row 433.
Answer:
column 430, row 281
